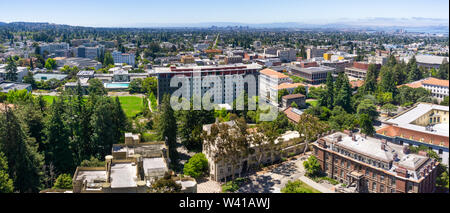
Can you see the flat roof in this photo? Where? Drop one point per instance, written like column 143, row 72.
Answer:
column 123, row 175
column 371, row 147
column 405, row 119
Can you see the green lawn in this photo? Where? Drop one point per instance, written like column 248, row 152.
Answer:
column 298, row 186
column 48, row 98
column 312, row 102
column 132, row 105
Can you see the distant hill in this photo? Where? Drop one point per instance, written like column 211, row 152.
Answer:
column 415, row 24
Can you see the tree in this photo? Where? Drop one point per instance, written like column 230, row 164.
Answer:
column 28, row 79
column 310, row 128
column 230, row 140
column 282, row 93
column 136, row 86
column 300, row 90
column 108, row 60
column 6, row 183
column 389, row 108
column 312, row 166
column 365, row 122
column 150, row 85
column 92, row 162
column 414, row 73
column 370, row 82
column 11, row 70
column 445, row 101
column 50, row 64
column 443, row 70
column 340, row 119
column 96, row 87
column 327, row 99
column 64, row 181
column 57, row 144
column 368, row 107
column 387, row 83
column 197, row 166
column 24, row 161
column 296, row 187
column 103, row 128
column 191, row 124
column 167, row 125
column 343, row 93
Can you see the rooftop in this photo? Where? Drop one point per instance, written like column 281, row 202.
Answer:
column 123, row 175
column 272, row 73
column 406, row 119
column 371, row 151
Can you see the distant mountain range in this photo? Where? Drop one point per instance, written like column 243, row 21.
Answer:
column 340, row 23
column 415, row 24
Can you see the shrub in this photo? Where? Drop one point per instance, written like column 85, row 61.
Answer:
column 312, row 166
column 197, row 166
column 64, row 181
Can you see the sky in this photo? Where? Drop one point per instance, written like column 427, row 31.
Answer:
column 122, row 13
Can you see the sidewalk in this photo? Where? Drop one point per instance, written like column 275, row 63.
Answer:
column 315, row 185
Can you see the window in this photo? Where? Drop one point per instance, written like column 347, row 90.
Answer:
column 342, row 173
column 392, row 190
column 392, row 180
column 367, row 172
column 381, row 188
column 374, row 175
column 410, row 186
column 382, row 178
column 374, row 186
column 342, row 162
column 348, row 164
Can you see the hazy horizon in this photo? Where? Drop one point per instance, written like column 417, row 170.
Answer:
column 133, row 13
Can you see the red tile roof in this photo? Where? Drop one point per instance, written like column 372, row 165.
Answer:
column 395, row 131
column 292, row 116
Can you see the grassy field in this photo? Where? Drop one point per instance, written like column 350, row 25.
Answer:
column 298, row 186
column 131, row 105
column 312, row 102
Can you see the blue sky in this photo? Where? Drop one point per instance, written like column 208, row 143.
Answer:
column 128, row 12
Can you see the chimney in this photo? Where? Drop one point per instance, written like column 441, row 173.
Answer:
column 383, row 146
column 354, row 137
column 108, row 160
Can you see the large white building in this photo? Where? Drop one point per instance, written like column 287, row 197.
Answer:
column 227, row 86
column 127, row 58
column 270, row 79
column 21, row 72
column 55, row 49
column 437, row 87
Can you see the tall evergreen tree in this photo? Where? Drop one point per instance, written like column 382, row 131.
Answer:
column 103, row 135
column 6, row 183
column 443, row 70
column 344, row 95
column 24, row 161
column 414, row 74
column 11, row 70
column 167, row 126
column 387, row 82
column 370, row 82
column 329, row 96
column 57, row 132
